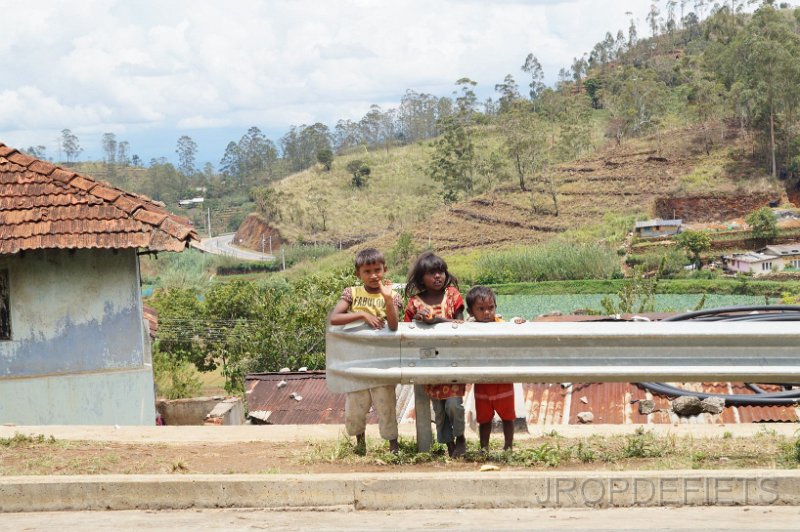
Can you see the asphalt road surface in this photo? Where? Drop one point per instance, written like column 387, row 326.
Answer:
column 223, row 245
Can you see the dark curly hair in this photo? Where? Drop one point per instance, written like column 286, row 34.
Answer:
column 425, row 263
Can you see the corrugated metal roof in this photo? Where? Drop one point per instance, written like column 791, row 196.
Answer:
column 45, row 206
column 543, row 405
column 782, row 249
column 751, row 256
column 317, row 406
column 658, row 222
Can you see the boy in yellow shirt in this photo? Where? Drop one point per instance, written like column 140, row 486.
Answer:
column 378, row 305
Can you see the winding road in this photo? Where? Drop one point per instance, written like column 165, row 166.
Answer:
column 223, row 245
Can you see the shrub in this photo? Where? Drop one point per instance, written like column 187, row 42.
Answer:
column 243, row 326
column 175, row 377
column 670, row 260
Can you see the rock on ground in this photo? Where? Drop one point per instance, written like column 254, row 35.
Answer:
column 713, row 405
column 687, row 406
column 646, row 406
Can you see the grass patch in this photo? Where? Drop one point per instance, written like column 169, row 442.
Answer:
column 722, row 286
column 464, row 266
column 644, row 449
column 548, row 262
column 27, row 440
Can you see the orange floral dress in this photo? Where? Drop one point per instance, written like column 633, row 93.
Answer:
column 451, row 304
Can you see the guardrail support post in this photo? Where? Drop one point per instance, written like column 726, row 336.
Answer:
column 422, row 408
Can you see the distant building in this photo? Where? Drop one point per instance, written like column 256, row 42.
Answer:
column 765, row 260
column 752, row 262
column 657, row 228
column 188, row 203
column 789, row 254
column 74, row 345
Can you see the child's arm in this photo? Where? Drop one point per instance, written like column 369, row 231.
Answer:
column 341, row 316
column 428, row 317
column 391, row 309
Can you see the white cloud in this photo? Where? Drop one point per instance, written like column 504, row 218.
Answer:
column 128, row 67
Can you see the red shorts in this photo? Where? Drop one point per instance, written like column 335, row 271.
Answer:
column 491, row 398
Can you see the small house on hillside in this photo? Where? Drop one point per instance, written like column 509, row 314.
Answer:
column 657, row 228
column 766, row 260
column 789, row 254
column 74, row 345
column 752, row 262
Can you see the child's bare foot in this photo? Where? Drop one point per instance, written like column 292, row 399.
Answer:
column 450, row 447
column 394, row 447
column 361, row 444
column 460, row 448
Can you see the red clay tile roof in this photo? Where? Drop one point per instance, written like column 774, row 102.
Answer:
column 45, row 206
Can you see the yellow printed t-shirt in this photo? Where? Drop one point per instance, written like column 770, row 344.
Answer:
column 362, row 301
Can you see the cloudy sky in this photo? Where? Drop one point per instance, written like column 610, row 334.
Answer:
column 152, row 70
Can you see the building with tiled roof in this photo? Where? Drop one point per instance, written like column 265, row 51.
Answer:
column 74, row 347
column 44, row 206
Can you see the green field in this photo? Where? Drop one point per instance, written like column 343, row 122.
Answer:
column 531, row 306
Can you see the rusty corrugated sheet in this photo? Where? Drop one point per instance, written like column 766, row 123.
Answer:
column 151, row 316
column 318, row 405
column 547, row 406
column 45, row 206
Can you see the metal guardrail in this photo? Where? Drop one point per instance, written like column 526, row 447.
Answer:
column 359, row 358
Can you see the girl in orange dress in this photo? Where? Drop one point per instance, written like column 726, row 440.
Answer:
column 434, row 298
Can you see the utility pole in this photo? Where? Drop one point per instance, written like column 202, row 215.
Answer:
column 283, row 258
column 209, row 222
column 270, row 244
column 262, row 244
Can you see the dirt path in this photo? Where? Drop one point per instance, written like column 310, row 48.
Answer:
column 42, row 455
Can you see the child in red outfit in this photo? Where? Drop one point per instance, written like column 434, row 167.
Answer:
column 491, row 398
column 434, row 298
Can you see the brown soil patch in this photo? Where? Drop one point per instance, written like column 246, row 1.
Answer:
column 41, row 456
column 624, row 180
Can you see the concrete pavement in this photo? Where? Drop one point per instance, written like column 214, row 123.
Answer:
column 687, row 518
column 402, row 491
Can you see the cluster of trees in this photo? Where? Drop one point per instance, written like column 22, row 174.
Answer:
column 243, row 326
column 712, row 66
column 731, row 67
column 536, row 130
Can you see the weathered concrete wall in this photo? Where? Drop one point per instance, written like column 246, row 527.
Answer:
column 186, row 411
column 194, row 411
column 77, row 314
column 72, row 312
column 121, row 397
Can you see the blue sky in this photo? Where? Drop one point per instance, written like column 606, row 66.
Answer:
column 151, row 71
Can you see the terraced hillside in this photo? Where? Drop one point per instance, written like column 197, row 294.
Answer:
column 624, row 180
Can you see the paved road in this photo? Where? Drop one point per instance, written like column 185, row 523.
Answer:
column 683, row 518
column 223, row 245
